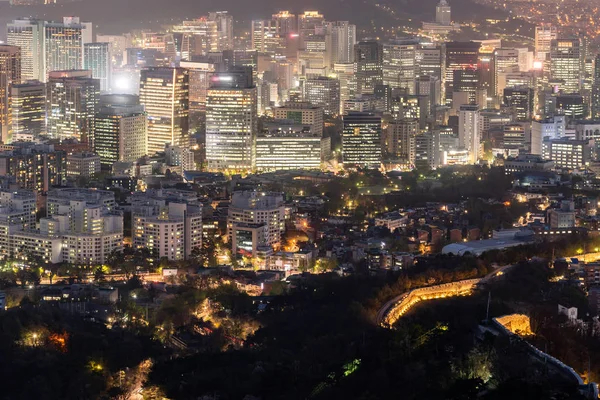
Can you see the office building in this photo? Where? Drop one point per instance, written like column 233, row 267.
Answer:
column 97, row 58
column 361, row 140
column 266, row 37
column 164, row 92
column 521, row 101
column 82, row 164
column 400, row 65
column 72, row 98
column 28, row 109
column 10, row 74
column 544, row 35
column 231, row 121
column 287, row 144
column 35, row 167
column 323, row 92
column 224, row 24
column 368, row 62
column 567, row 154
column 302, row 113
column 469, row 135
column 513, row 137
column 121, row 129
column 565, row 64
column 255, row 222
column 400, row 139
column 505, row 61
column 460, row 56
column 341, row 38
column 49, row 46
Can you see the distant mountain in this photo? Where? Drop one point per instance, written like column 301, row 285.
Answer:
column 123, row 15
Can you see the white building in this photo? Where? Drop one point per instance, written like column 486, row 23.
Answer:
column 257, row 215
column 469, row 135
column 172, row 233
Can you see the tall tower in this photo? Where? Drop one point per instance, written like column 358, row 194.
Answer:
column 544, row 35
column 97, row 58
column 361, row 140
column 165, row 94
column 10, row 73
column 224, row 22
column 341, row 38
column 231, row 120
column 72, row 104
column 29, row 108
column 121, row 129
column 469, row 137
column 443, row 14
column 400, row 65
column 565, row 63
column 368, row 62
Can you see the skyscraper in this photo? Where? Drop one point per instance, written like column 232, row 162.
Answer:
column 341, row 38
column 565, row 63
column 368, row 62
column 10, row 73
column 460, row 56
column 49, row 46
column 401, row 139
column 97, row 58
column 505, row 61
column 72, row 104
column 121, row 129
column 323, row 92
column 544, row 35
column 28, row 108
column 165, row 94
column 399, row 64
column 596, row 89
column 361, row 140
column 224, row 22
column 266, row 37
column 443, row 14
column 231, row 120
column 469, row 137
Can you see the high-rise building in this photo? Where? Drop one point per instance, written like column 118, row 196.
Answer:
column 361, row 140
column 17, row 212
column 443, row 14
column 97, row 58
column 266, row 37
column 10, row 74
column 49, row 46
column 345, row 74
column 544, row 35
column 513, row 137
column 505, row 60
column 430, row 61
column 520, row 100
column 460, row 56
column 323, row 92
column 164, row 92
column 224, row 23
column 368, row 66
column 400, row 139
column 400, row 65
column 565, row 63
column 309, row 23
column 28, row 109
column 596, row 89
column 468, row 131
column 286, row 22
column 231, row 121
column 121, row 129
column 568, row 154
column 341, row 38
column 72, row 98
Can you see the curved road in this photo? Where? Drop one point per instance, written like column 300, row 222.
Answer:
column 383, row 311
